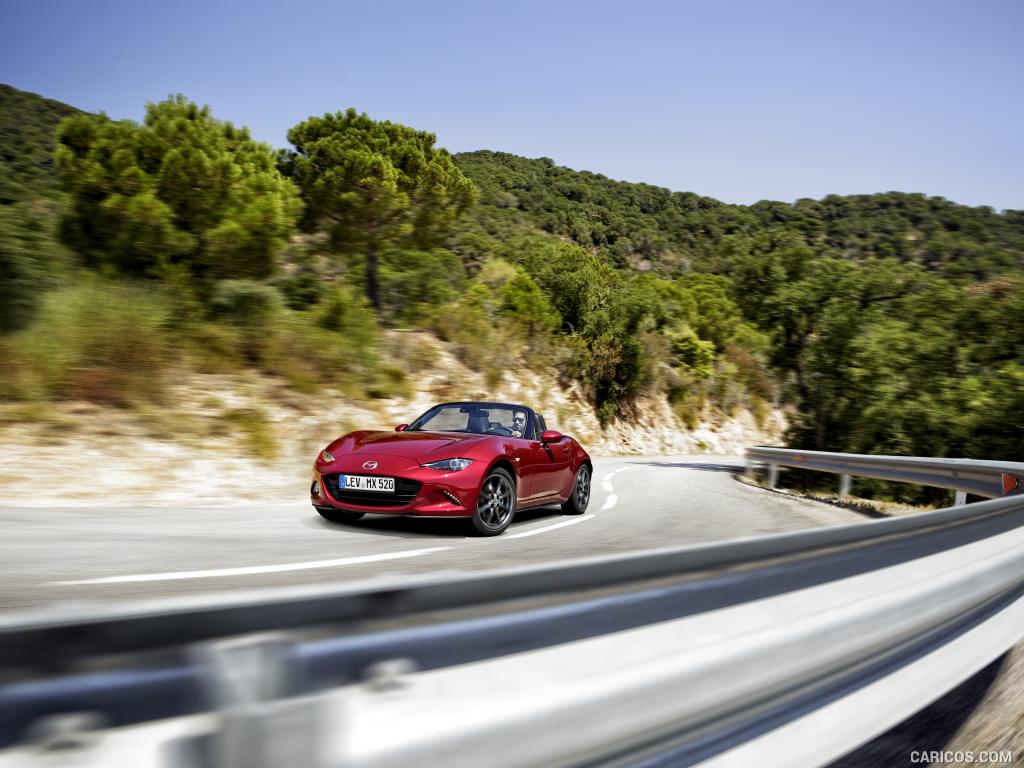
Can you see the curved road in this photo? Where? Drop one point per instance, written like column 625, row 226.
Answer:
column 67, row 556
column 56, row 555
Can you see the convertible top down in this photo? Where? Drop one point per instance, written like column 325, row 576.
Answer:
column 478, row 460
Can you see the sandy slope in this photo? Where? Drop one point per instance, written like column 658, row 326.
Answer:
column 188, row 451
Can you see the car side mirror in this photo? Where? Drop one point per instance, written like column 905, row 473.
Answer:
column 552, row 436
column 401, row 428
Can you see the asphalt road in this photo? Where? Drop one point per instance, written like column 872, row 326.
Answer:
column 56, row 555
column 70, row 555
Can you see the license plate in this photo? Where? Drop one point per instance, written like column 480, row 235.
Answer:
column 363, row 483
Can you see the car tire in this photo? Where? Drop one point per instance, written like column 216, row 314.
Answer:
column 496, row 504
column 579, row 498
column 338, row 516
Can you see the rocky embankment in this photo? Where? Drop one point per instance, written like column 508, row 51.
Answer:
column 221, row 439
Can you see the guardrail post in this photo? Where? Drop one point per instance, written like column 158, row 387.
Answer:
column 248, row 680
column 961, row 499
column 773, row 475
column 845, row 486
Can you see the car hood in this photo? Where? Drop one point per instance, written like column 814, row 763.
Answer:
column 415, row 445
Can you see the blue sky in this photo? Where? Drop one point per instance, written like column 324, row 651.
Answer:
column 737, row 100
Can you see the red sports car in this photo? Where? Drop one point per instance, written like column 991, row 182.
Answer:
column 481, row 461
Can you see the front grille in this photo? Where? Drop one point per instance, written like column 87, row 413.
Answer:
column 405, row 492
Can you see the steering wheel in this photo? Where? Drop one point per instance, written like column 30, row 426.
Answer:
column 497, row 429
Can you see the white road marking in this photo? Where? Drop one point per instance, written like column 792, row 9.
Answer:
column 609, row 502
column 608, row 478
column 606, row 484
column 551, row 527
column 253, row 569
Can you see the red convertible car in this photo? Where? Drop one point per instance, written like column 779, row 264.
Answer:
column 481, row 461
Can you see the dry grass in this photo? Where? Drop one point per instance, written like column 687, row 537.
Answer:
column 256, row 429
column 866, row 507
column 35, row 411
column 105, row 343
column 412, row 350
column 870, row 507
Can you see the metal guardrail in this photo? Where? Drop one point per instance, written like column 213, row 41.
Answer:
column 712, row 653
column 989, row 479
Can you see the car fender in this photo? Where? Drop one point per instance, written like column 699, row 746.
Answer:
column 493, row 453
column 580, row 457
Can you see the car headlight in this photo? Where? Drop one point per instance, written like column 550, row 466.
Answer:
column 326, row 456
column 449, row 465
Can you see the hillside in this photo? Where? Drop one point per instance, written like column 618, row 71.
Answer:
column 27, row 126
column 672, row 233
column 641, row 225
column 182, row 247
column 228, row 425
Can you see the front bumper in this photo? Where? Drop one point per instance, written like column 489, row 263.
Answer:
column 437, row 493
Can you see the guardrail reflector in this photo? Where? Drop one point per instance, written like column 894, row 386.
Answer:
column 1010, row 484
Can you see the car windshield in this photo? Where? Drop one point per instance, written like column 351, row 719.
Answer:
column 507, row 420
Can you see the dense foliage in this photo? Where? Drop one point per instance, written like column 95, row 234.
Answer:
column 375, row 186
column 649, row 227
column 883, row 318
column 886, row 322
column 179, row 189
column 21, row 270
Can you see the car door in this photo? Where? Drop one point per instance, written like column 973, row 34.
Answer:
column 520, row 451
column 552, row 463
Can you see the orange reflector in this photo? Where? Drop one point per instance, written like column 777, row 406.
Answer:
column 1010, row 484
column 798, row 457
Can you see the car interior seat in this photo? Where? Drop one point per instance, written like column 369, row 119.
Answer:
column 478, row 422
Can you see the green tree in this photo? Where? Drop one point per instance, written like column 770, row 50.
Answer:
column 413, row 283
column 524, row 303
column 817, row 321
column 717, row 317
column 580, row 287
column 181, row 187
column 375, row 186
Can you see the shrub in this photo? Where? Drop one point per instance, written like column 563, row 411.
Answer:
column 260, row 440
column 692, row 354
column 214, row 347
column 606, row 413
column 347, row 312
column 390, row 381
column 99, row 341
column 726, row 390
column 523, row 302
column 337, row 344
column 302, row 289
column 244, row 303
column 21, row 273
column 761, row 410
column 479, row 345
column 411, row 281
column 253, row 309
column 411, row 352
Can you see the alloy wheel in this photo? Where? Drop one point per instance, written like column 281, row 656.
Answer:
column 496, row 502
column 582, row 489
